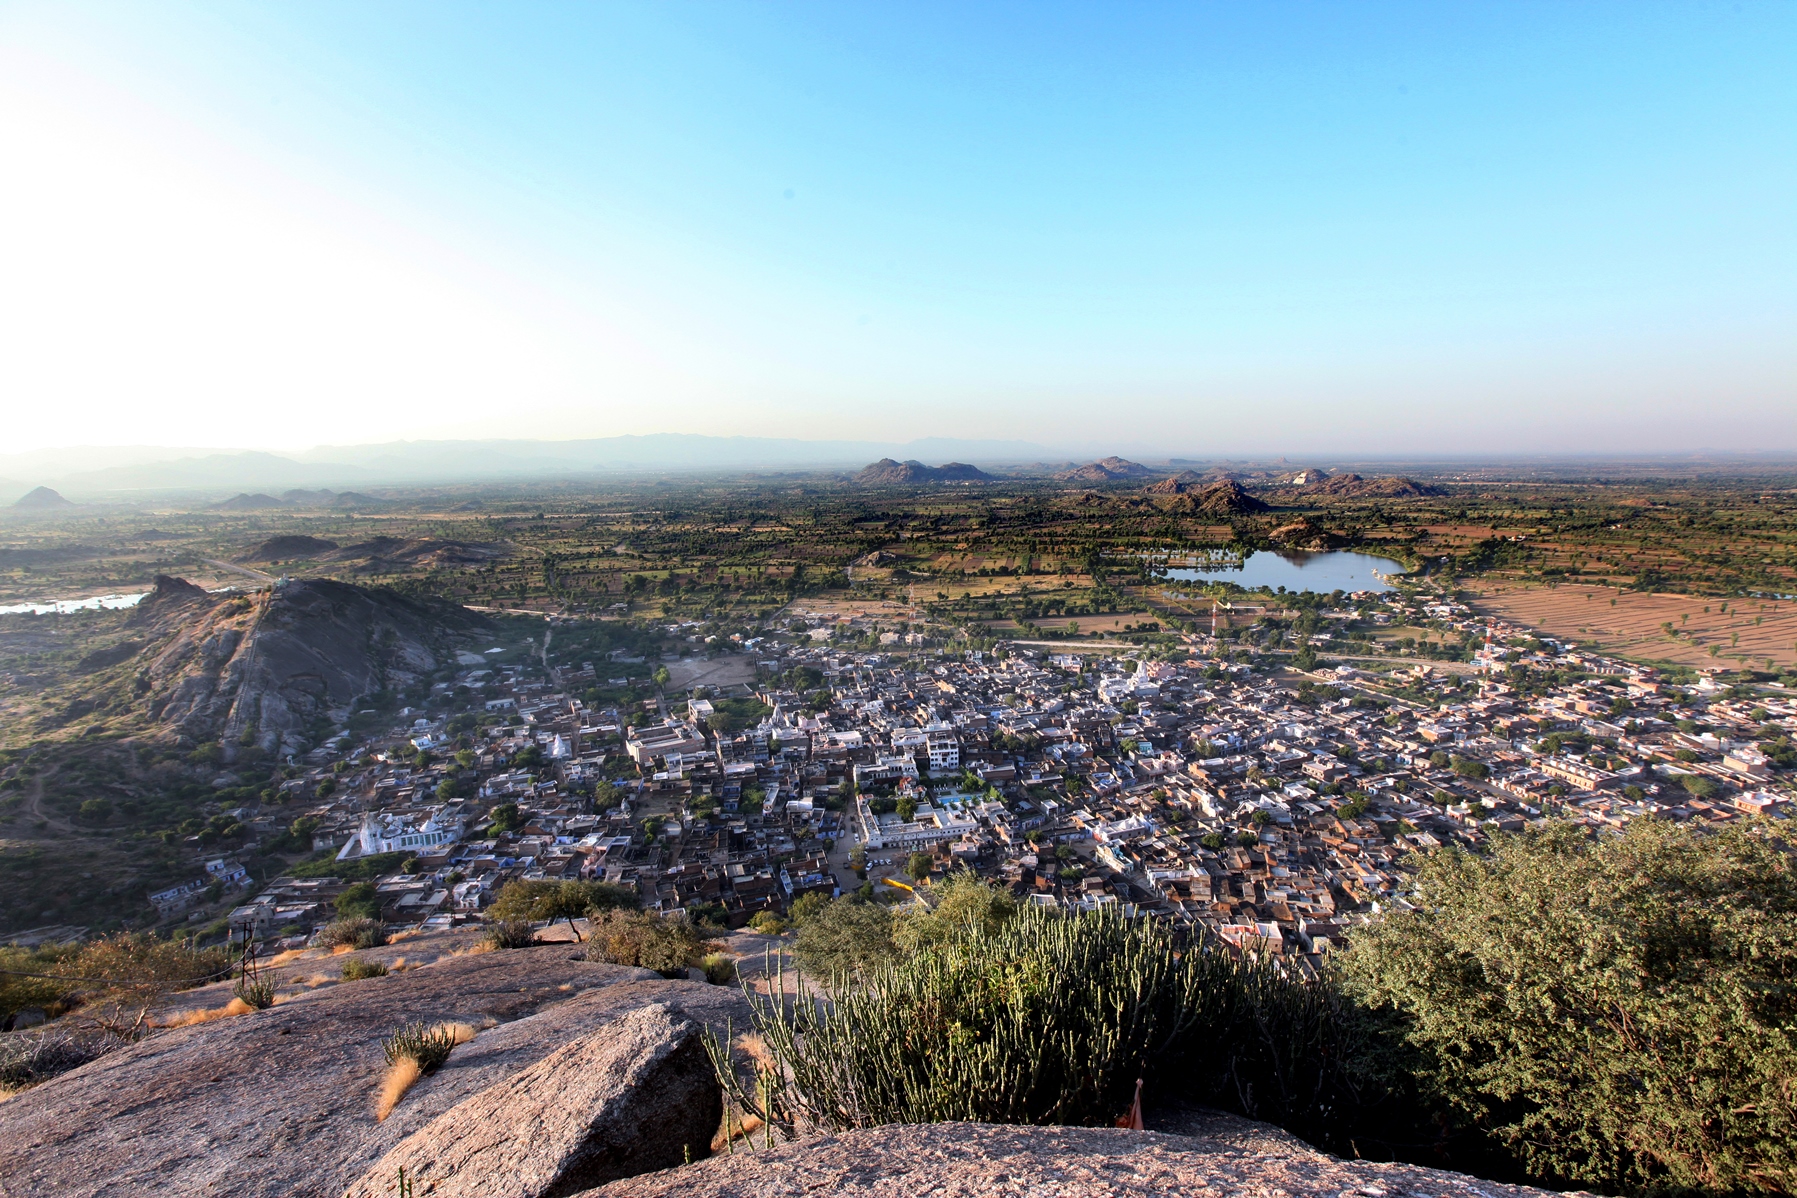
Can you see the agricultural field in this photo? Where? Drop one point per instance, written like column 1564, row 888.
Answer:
column 1685, row 630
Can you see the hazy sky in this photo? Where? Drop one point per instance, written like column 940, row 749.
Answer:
column 1196, row 227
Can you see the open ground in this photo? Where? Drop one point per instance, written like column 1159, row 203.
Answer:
column 1704, row 631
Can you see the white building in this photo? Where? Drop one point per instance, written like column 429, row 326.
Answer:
column 388, row 834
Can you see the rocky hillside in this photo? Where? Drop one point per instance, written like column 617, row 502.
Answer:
column 1353, row 486
column 577, row 1075
column 200, row 667
column 888, row 473
column 1105, row 470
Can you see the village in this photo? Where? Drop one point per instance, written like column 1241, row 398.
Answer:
column 1266, row 806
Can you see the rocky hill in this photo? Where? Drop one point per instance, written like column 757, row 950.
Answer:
column 42, row 499
column 288, row 548
column 1105, row 470
column 198, row 666
column 888, row 473
column 577, row 1075
column 1222, row 500
column 1353, row 486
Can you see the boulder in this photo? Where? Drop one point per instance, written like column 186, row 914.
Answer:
column 975, row 1160
column 280, row 1103
column 635, row 1096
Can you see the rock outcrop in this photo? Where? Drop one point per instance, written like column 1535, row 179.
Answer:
column 1229, row 1157
column 280, row 1103
column 636, row 1096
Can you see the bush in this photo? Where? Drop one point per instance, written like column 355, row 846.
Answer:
column 1616, row 1014
column 426, row 1045
column 510, row 933
column 846, row 936
column 719, row 969
column 963, row 898
column 360, row 932
column 767, row 923
column 356, row 969
column 569, row 900
column 258, row 995
column 359, row 901
column 667, row 945
column 1045, row 1018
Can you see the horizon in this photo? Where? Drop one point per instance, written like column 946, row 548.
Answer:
column 1392, row 231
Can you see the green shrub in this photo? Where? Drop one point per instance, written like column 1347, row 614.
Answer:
column 426, row 1044
column 360, row 932
column 1045, row 1018
column 356, row 969
column 667, row 945
column 510, row 933
column 254, row 993
column 719, row 969
column 848, row 935
column 1617, row 1014
column 569, row 900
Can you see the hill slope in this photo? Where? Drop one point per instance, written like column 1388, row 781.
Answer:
column 888, row 473
column 201, row 666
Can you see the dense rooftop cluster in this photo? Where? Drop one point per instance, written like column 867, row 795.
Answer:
column 1272, row 808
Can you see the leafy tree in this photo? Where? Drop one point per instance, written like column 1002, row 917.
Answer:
column 918, row 866
column 1466, row 767
column 806, row 908
column 359, row 901
column 847, row 936
column 964, row 900
column 906, row 808
column 569, row 900
column 1618, row 1014
column 506, row 818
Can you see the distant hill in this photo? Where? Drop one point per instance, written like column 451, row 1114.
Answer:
column 1177, row 484
column 42, row 499
column 288, row 548
column 1105, row 470
column 1222, row 499
column 202, row 666
column 384, row 554
column 1353, row 486
column 248, row 503
column 888, row 473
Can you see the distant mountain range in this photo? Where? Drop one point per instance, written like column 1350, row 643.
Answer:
column 91, row 473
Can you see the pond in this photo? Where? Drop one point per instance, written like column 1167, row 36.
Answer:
column 1339, row 570
column 65, row 606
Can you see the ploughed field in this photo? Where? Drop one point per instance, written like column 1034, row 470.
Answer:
column 1743, row 632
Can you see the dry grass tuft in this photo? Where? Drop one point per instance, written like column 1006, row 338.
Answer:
column 233, row 1008
column 340, row 949
column 401, row 1076
column 405, row 1071
column 734, row 1126
column 284, row 956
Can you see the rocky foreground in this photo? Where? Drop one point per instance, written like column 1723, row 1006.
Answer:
column 580, row 1078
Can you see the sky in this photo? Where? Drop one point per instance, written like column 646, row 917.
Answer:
column 1193, row 228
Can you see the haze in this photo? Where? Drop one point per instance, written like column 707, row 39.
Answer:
column 1354, row 229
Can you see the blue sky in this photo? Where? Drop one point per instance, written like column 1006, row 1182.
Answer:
column 1197, row 228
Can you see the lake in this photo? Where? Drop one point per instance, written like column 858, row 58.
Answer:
column 65, row 606
column 1339, row 570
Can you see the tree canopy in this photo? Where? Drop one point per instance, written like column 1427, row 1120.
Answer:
column 569, row 900
column 1619, row 1014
